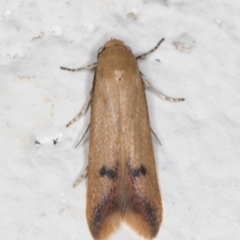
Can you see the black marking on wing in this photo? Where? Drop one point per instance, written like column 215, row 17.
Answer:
column 136, row 172
column 151, row 216
column 98, row 216
column 110, row 173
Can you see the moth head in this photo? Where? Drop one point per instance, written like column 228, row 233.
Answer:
column 112, row 43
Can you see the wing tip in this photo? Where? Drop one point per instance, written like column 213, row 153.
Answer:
column 135, row 219
column 108, row 226
column 138, row 223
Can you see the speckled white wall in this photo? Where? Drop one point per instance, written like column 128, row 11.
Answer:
column 198, row 163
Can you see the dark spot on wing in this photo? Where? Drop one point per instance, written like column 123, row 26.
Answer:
column 143, row 170
column 151, row 217
column 99, row 213
column 98, row 217
column 110, row 173
column 106, row 207
column 136, row 172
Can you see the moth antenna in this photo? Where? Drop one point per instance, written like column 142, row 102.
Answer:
column 143, row 56
column 89, row 67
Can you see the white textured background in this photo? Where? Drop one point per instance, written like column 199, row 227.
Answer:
column 198, row 162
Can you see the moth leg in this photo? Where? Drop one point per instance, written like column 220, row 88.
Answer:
column 143, row 56
column 81, row 177
column 164, row 97
column 83, row 136
column 155, row 135
column 84, row 110
column 89, row 67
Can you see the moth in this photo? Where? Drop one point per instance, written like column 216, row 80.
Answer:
column 122, row 178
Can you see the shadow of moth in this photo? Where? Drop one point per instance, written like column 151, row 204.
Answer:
column 122, row 178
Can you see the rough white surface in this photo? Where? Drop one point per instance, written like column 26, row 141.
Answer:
column 198, row 163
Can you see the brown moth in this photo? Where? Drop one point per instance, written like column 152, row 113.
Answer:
column 122, row 178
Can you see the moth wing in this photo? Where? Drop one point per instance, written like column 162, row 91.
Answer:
column 144, row 211
column 102, row 212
